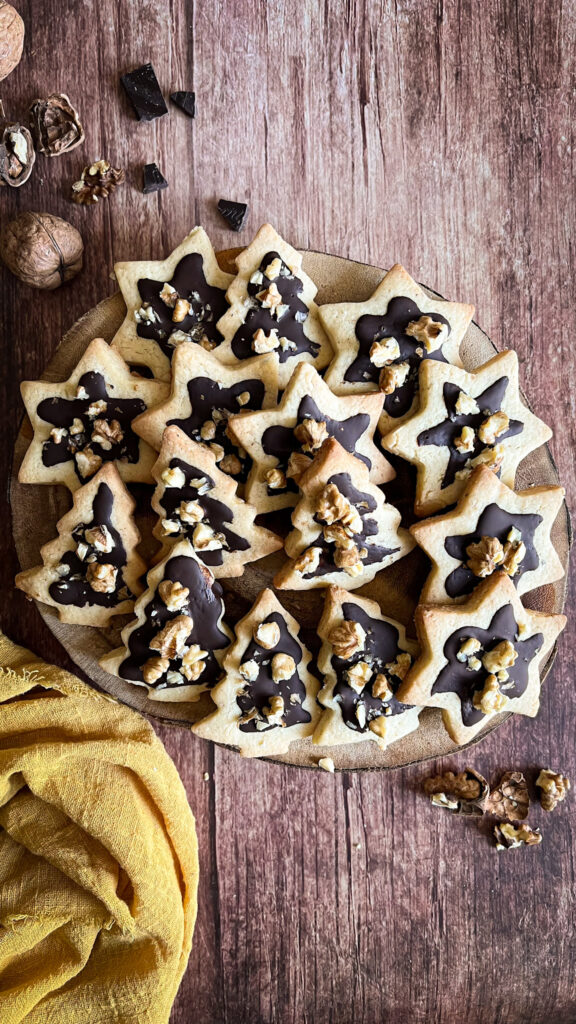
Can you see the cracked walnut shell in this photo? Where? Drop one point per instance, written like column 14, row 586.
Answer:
column 11, row 38
column 464, row 793
column 510, row 798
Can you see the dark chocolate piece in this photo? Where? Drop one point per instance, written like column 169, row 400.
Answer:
column 445, row 433
column 381, row 648
column 260, row 690
column 493, row 522
column 144, row 93
column 152, row 179
column 186, row 101
column 207, row 303
column 234, row 213
column 457, row 678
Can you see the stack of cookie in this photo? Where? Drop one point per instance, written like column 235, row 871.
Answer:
column 239, row 397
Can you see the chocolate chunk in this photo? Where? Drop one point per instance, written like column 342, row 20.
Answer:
column 144, row 93
column 154, row 180
column 234, row 213
column 186, row 101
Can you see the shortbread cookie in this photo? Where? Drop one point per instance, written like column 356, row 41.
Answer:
column 480, row 658
column 466, row 420
column 194, row 499
column 281, row 441
column 203, row 397
column 344, row 529
column 91, row 571
column 268, row 697
column 272, row 308
column 171, row 302
column 492, row 528
column 380, row 343
column 176, row 644
column 87, row 421
column 364, row 658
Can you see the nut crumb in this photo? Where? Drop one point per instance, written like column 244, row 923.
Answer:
column 327, row 764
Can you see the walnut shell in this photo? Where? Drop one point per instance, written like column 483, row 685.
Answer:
column 42, row 250
column 17, row 154
column 11, row 38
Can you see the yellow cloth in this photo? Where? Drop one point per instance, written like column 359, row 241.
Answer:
column 98, row 855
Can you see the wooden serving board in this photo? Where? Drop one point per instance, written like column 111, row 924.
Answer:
column 36, row 509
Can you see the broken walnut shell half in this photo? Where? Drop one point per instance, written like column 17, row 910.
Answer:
column 464, row 792
column 56, row 125
column 17, row 154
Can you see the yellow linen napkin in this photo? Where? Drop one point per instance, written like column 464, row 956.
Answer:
column 98, row 855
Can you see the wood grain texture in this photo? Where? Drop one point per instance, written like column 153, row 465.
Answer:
column 439, row 134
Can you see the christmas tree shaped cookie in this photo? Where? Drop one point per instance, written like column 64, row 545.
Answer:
column 364, row 658
column 267, row 698
column 175, row 645
column 194, row 499
column 171, row 302
column 272, row 308
column 91, row 571
column 344, row 529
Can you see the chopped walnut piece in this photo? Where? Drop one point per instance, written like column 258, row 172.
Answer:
column 217, row 451
column 337, row 534
column 154, row 668
column 173, row 476
column 381, row 687
column 230, row 464
column 466, row 405
column 509, row 799
column 262, row 342
column 273, row 268
column 500, row 657
column 393, row 377
column 275, row 711
column 553, row 788
column 493, row 427
column 311, row 434
column 249, row 670
column 100, row 538
column 270, row 298
column 297, row 465
column 484, row 556
column 106, row 434
column 491, row 457
column 102, row 577
column 208, row 430
column 468, row 649
column 432, row 333
column 190, row 512
column 330, row 504
column 169, row 295
column 513, row 557
column 174, row 595
column 275, row 479
column 58, row 434
column 96, row 409
column 349, row 558
column 490, row 700
column 384, row 352
column 464, row 443
column 243, row 398
column 283, row 667
column 327, row 764
column 401, row 666
column 87, row 462
column 77, row 426
column 347, row 639
column 205, row 539
column 308, row 561
column 181, row 310
column 193, row 662
column 267, row 635
column 509, row 837
column 378, row 726
column 170, row 641
column 465, row 792
column 358, row 675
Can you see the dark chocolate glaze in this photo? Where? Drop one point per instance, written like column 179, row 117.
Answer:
column 381, row 647
column 61, row 412
column 392, row 324
column 216, row 513
column 289, row 326
column 259, row 692
column 365, row 504
column 205, row 607
column 207, row 395
column 456, row 678
column 74, row 589
column 445, row 433
column 493, row 522
column 208, row 305
column 281, row 441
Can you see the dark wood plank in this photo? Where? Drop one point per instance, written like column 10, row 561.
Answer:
column 440, row 135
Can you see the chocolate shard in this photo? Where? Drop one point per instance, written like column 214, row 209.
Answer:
column 234, row 213
column 186, row 101
column 144, row 93
column 154, row 180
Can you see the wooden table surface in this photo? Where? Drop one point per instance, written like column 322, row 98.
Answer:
column 439, row 134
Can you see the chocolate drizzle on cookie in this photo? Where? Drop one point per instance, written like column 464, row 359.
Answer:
column 257, row 693
column 380, row 652
column 204, row 305
column 276, row 310
column 494, row 522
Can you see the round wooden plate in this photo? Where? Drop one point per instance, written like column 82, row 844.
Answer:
column 36, row 509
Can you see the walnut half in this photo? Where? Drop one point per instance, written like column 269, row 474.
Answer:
column 347, row 639
column 170, row 641
column 553, row 788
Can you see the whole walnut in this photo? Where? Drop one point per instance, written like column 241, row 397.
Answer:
column 42, row 250
column 11, row 38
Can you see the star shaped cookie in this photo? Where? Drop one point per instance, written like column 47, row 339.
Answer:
column 204, row 396
column 344, row 529
column 491, row 529
column 380, row 343
column 272, row 308
column 465, row 420
column 480, row 658
column 91, row 570
column 170, row 302
column 267, row 699
column 282, row 440
column 88, row 420
column 194, row 499
column 364, row 657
